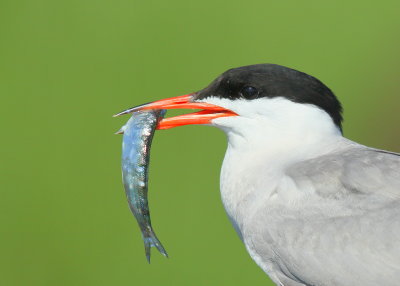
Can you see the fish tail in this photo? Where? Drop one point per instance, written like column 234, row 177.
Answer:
column 151, row 240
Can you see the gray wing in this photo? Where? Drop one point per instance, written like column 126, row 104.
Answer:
column 350, row 233
column 358, row 170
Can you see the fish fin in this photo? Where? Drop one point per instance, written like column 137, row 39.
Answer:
column 151, row 240
column 147, row 246
column 121, row 130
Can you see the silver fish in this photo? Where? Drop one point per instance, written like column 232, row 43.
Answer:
column 138, row 134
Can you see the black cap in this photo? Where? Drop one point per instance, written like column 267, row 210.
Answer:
column 270, row 80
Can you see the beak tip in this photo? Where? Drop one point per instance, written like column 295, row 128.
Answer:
column 130, row 110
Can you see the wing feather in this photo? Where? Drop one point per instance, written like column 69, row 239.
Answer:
column 348, row 234
column 358, row 170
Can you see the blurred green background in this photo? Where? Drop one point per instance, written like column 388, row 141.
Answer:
column 67, row 66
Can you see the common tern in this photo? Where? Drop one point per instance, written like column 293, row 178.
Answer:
column 311, row 207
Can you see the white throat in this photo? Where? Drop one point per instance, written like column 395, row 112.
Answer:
column 267, row 136
column 276, row 128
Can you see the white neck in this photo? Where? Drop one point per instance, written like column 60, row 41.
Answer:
column 268, row 136
column 276, row 128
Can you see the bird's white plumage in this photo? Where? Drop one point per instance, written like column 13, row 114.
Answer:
column 311, row 207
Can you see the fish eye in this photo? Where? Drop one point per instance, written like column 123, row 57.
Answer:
column 249, row 92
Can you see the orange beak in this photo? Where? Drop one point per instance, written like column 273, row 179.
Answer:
column 209, row 112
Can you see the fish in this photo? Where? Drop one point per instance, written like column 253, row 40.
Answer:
column 138, row 134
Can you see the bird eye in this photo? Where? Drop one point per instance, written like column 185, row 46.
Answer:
column 249, row 92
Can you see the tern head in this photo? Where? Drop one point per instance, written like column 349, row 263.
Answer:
column 257, row 98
